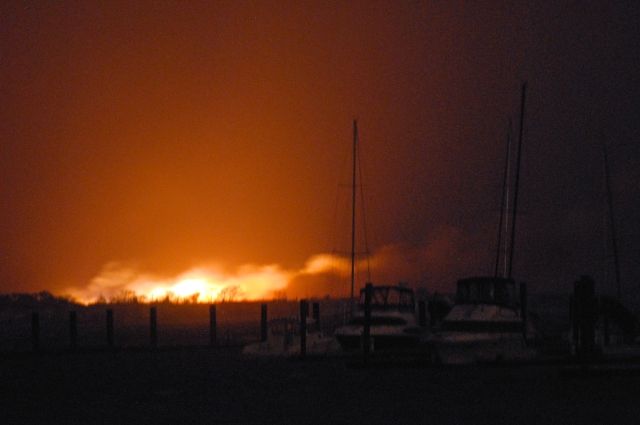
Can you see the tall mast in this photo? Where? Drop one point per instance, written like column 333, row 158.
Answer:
column 353, row 215
column 515, row 190
column 504, row 204
column 505, row 252
column 614, row 241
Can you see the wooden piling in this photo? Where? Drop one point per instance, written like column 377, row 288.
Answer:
column 153, row 327
column 110, row 341
column 585, row 312
column 35, row 331
column 315, row 313
column 263, row 322
column 574, row 320
column 523, row 309
column 422, row 313
column 213, row 326
column 304, row 312
column 366, row 333
column 73, row 330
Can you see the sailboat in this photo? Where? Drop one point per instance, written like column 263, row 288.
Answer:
column 393, row 322
column 617, row 325
column 608, row 327
column 488, row 321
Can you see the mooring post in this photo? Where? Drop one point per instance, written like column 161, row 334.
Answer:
column 35, row 331
column 591, row 315
column 304, row 312
column 213, row 326
column 110, row 342
column 263, row 322
column 315, row 312
column 153, row 326
column 585, row 313
column 573, row 317
column 578, row 317
column 523, row 309
column 73, row 330
column 366, row 333
column 422, row 313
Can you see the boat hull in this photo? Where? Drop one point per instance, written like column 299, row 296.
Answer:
column 350, row 338
column 289, row 346
column 469, row 348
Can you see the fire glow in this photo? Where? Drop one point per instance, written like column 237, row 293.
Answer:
column 203, row 284
column 321, row 275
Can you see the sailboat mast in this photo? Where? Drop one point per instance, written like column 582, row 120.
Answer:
column 515, row 190
column 504, row 203
column 614, row 240
column 353, row 215
column 505, row 251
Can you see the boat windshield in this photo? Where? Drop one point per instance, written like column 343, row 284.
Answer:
column 390, row 298
column 486, row 291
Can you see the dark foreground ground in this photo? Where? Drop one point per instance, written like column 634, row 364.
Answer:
column 211, row 386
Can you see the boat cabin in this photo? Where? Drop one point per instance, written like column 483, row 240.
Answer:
column 384, row 298
column 486, row 290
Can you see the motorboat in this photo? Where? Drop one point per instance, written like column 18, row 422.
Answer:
column 283, row 340
column 393, row 324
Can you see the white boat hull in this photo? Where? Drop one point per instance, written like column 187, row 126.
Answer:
column 289, row 346
column 382, row 337
column 469, row 348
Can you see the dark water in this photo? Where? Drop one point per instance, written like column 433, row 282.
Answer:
column 218, row 386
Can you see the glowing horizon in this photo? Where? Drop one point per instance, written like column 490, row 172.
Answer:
column 202, row 284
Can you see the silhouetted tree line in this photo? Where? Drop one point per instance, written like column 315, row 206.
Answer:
column 35, row 300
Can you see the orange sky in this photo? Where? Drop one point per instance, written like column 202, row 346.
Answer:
column 169, row 135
